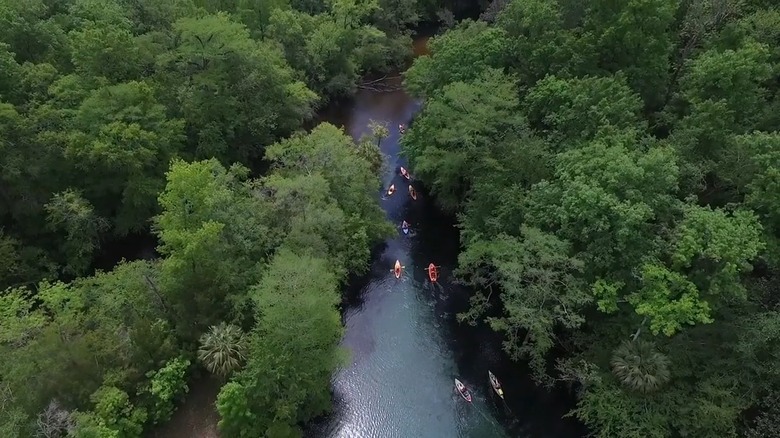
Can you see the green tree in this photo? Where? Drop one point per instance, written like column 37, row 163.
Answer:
column 539, row 288
column 639, row 367
column 293, row 350
column 215, row 56
column 460, row 55
column 454, row 140
column 165, row 388
column 71, row 213
column 539, row 41
column 214, row 234
column 635, row 37
column 576, row 109
column 123, row 142
column 351, row 179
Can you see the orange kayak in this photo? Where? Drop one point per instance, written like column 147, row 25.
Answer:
column 405, row 173
column 397, row 269
column 391, row 189
column 413, row 192
column 433, row 272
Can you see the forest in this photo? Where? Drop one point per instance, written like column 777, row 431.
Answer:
column 615, row 171
column 183, row 119
column 614, row 168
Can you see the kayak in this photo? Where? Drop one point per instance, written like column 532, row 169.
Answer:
column 391, row 189
column 397, row 269
column 405, row 227
column 412, row 192
column 401, row 129
column 462, row 390
column 495, row 384
column 405, row 173
column 433, row 273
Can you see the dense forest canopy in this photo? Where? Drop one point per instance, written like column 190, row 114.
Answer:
column 613, row 167
column 614, row 170
column 125, row 117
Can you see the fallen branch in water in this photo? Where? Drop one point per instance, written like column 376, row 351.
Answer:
column 379, row 89
column 383, row 78
column 380, row 84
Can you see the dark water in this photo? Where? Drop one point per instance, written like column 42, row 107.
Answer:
column 406, row 345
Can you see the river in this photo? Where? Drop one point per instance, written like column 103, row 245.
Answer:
column 405, row 343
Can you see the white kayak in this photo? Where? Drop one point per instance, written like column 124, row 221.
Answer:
column 495, row 384
column 462, row 390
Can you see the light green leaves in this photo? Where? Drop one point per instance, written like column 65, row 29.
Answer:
column 669, row 300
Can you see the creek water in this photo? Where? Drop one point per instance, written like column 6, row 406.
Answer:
column 406, row 346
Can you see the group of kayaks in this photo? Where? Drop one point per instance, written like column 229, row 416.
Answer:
column 464, row 392
column 433, row 271
column 412, row 191
column 433, row 275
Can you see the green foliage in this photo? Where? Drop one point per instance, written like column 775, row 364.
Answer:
column 342, row 180
column 113, row 408
column 293, row 350
column 639, row 367
column 214, row 234
column 574, row 110
column 166, row 385
column 454, row 140
column 633, row 203
column 539, row 290
column 460, row 55
column 216, row 56
column 74, row 215
column 222, row 349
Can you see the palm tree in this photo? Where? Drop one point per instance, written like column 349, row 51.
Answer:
column 222, row 349
column 639, row 366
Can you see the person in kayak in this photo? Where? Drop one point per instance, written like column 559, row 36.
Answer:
column 401, row 128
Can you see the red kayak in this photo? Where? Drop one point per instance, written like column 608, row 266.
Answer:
column 412, row 192
column 397, row 269
column 433, row 272
column 405, row 173
column 391, row 189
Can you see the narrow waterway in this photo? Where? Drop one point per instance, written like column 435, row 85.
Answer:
column 406, row 345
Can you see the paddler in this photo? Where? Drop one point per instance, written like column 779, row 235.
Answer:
column 401, row 128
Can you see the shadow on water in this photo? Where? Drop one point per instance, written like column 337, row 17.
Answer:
column 406, row 345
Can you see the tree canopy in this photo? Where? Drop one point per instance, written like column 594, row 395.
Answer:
column 612, row 166
column 120, row 119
